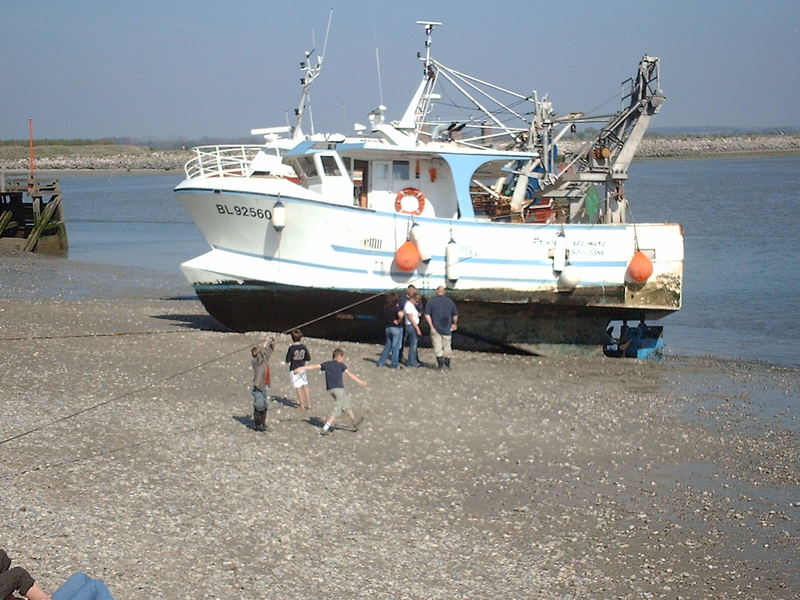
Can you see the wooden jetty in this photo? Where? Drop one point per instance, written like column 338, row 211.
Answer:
column 31, row 214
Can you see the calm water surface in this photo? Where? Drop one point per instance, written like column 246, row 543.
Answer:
column 742, row 278
column 741, row 272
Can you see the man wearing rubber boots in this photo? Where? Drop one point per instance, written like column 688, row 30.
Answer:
column 442, row 317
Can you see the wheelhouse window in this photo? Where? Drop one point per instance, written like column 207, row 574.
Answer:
column 401, row 170
column 380, row 170
column 306, row 164
column 330, row 167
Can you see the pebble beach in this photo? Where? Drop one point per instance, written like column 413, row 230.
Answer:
column 128, row 453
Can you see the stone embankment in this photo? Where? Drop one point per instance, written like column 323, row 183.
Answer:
column 652, row 147
column 710, row 146
column 161, row 160
column 697, row 146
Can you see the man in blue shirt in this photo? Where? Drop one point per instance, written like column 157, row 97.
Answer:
column 442, row 317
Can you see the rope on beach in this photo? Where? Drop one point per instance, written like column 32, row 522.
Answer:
column 184, row 371
column 86, row 457
column 121, row 396
column 163, row 379
column 87, row 335
column 159, row 381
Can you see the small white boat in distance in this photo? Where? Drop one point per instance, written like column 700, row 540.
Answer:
column 531, row 241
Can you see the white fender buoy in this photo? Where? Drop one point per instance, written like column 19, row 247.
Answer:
column 418, row 237
column 451, row 261
column 569, row 279
column 279, row 215
column 560, row 253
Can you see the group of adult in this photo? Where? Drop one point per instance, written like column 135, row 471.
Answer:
column 402, row 320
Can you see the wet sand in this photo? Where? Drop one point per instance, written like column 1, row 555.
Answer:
column 127, row 452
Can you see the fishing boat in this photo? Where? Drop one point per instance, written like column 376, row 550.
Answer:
column 479, row 195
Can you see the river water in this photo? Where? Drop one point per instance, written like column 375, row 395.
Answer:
column 742, row 279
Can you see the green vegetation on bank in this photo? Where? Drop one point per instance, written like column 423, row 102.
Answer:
column 46, row 142
column 46, row 149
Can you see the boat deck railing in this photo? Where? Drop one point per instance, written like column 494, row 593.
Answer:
column 220, row 161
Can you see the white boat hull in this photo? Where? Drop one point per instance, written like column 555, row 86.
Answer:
column 329, row 256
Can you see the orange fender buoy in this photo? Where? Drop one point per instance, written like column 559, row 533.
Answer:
column 640, row 268
column 407, row 256
column 409, row 191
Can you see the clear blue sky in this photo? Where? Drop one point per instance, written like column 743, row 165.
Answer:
column 178, row 68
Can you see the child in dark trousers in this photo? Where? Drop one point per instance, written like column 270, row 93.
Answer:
column 261, row 379
column 334, row 381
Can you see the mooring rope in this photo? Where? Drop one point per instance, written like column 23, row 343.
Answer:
column 29, row 338
column 210, row 361
column 121, row 396
column 188, row 369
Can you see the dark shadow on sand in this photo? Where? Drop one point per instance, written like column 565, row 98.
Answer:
column 245, row 420
column 317, row 422
column 194, row 321
column 284, row 401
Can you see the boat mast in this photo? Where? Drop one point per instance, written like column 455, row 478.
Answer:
column 421, row 101
column 310, row 73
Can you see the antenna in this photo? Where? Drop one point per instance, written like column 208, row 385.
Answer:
column 327, row 32
column 31, row 154
column 429, row 25
column 377, row 59
column 380, row 84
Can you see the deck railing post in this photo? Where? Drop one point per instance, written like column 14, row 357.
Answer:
column 199, row 161
column 219, row 160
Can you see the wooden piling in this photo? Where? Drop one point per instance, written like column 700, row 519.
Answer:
column 32, row 214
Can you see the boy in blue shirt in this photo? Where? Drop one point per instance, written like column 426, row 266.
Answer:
column 334, row 382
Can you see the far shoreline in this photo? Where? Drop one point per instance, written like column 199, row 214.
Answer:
column 55, row 160
column 121, row 171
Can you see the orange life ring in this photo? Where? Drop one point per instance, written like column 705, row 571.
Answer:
column 409, row 191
